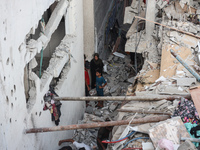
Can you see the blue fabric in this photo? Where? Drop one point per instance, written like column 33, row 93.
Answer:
column 189, row 126
column 99, row 82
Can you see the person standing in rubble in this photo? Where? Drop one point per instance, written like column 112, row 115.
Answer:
column 87, row 77
column 100, row 84
column 96, row 63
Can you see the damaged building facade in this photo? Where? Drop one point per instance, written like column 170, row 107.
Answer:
column 151, row 56
column 28, row 30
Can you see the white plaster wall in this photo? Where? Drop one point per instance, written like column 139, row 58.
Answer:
column 16, row 20
column 88, row 12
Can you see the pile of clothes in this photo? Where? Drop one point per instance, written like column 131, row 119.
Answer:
column 52, row 105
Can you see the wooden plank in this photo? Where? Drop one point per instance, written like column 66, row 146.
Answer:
column 147, row 119
column 148, row 97
column 169, row 64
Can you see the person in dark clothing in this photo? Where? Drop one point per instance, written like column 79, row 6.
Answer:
column 103, row 134
column 96, row 63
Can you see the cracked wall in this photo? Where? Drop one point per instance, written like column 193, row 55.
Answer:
column 17, row 20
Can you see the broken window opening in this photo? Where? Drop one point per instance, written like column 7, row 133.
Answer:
column 49, row 102
column 56, row 38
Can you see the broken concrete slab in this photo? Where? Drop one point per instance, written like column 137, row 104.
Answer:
column 190, row 41
column 187, row 145
column 129, row 15
column 133, row 28
column 185, row 81
column 119, row 55
column 169, row 129
column 131, row 80
column 147, row 146
column 113, row 106
column 161, row 4
column 174, row 11
column 113, row 89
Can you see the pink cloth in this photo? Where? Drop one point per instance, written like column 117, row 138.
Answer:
column 166, row 144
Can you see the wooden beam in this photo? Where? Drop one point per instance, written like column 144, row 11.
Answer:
column 169, row 27
column 144, row 112
column 148, row 119
column 123, row 98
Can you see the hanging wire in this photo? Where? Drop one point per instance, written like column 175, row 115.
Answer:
column 119, row 140
column 135, row 140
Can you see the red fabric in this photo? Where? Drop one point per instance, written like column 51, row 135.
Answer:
column 87, row 78
column 144, row 1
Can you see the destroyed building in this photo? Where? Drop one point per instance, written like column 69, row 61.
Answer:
column 150, row 51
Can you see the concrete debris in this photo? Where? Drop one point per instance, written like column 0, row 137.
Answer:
column 170, row 130
column 119, row 55
column 187, row 145
column 161, row 74
column 128, row 17
column 185, row 81
column 161, row 4
column 131, row 80
column 147, row 146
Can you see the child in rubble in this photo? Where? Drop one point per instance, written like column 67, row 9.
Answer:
column 100, row 84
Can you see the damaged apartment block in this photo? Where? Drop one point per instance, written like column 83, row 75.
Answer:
column 150, row 50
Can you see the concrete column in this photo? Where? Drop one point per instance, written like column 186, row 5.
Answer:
column 88, row 25
column 150, row 15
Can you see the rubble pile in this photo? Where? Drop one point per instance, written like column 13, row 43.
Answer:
column 169, row 34
column 118, row 72
column 176, row 29
column 161, row 72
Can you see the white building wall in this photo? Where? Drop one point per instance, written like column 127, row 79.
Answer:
column 88, row 12
column 16, row 20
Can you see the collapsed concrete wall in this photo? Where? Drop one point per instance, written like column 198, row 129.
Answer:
column 19, row 19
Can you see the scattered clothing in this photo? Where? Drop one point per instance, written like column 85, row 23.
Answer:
column 53, row 106
column 187, row 111
column 190, row 128
column 81, row 145
column 87, row 78
column 166, row 144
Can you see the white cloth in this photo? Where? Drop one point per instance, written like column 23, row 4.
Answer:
column 81, row 145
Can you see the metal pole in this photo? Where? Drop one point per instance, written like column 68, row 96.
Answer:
column 147, row 119
column 124, row 98
column 196, row 75
column 144, row 111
